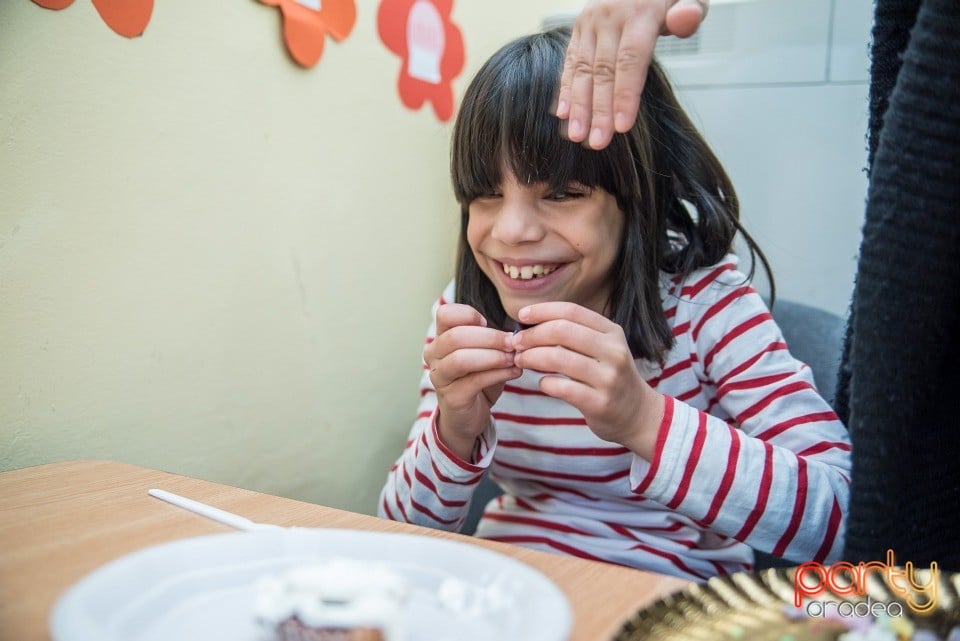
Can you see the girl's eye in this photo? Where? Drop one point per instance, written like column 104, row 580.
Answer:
column 565, row 194
column 493, row 193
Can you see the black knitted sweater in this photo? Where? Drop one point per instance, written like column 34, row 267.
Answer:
column 900, row 373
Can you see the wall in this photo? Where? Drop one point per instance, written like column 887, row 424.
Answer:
column 779, row 88
column 212, row 261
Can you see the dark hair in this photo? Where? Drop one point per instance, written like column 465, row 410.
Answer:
column 681, row 212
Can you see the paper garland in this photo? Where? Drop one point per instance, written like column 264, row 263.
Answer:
column 420, row 32
column 129, row 18
column 306, row 24
column 430, row 46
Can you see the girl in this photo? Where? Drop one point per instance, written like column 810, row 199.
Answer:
column 604, row 359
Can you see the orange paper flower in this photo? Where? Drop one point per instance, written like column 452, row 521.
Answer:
column 430, row 45
column 306, row 24
column 128, row 18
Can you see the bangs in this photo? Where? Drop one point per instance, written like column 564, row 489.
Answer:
column 506, row 121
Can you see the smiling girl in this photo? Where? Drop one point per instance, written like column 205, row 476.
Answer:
column 601, row 356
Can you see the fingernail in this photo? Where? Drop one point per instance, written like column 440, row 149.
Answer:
column 574, row 129
column 620, row 121
column 562, row 107
column 595, row 137
column 483, row 321
column 511, row 358
column 524, row 313
column 516, row 341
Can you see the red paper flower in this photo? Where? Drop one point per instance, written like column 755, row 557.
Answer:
column 306, row 24
column 129, row 18
column 422, row 33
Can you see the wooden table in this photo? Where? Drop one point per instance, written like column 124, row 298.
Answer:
column 60, row 521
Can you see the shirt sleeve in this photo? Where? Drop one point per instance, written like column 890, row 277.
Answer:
column 430, row 485
column 774, row 471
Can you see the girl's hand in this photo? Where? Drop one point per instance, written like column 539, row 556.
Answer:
column 469, row 363
column 610, row 49
column 602, row 379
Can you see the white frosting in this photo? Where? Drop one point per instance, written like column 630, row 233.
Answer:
column 338, row 593
column 471, row 600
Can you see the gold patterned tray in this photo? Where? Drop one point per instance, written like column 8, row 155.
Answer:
column 760, row 606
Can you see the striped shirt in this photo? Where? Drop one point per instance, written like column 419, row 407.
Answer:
column 748, row 455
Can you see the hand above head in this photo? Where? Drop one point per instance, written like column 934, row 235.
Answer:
column 469, row 364
column 606, row 66
column 602, row 380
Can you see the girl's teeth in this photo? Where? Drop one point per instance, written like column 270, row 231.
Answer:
column 527, row 271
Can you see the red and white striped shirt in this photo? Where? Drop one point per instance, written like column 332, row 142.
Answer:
column 748, row 455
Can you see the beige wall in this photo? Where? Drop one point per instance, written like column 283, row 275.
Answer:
column 212, row 261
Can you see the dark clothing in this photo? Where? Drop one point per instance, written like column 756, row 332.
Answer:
column 900, row 373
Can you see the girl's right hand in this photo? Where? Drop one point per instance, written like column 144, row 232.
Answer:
column 469, row 364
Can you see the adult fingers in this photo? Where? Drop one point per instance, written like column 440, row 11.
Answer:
column 566, row 77
column 684, row 17
column 633, row 60
column 581, row 87
column 606, row 65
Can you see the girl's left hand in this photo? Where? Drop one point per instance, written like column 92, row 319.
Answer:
column 602, row 379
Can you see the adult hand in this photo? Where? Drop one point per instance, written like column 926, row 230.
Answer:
column 610, row 50
column 601, row 381
column 469, row 364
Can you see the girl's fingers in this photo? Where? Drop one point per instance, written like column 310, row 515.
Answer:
column 542, row 312
column 465, row 389
column 454, row 314
column 562, row 333
column 573, row 392
column 468, row 336
column 560, row 360
column 463, row 362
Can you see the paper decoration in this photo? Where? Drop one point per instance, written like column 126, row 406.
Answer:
column 306, row 24
column 129, row 18
column 430, row 45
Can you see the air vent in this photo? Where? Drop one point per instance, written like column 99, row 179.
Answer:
column 717, row 35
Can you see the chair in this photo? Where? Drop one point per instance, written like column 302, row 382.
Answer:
column 815, row 337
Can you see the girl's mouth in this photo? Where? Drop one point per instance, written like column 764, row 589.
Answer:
column 528, row 272
column 530, row 276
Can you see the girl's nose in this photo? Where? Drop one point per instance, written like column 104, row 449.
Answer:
column 517, row 222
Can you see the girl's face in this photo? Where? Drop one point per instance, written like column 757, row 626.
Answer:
column 537, row 245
